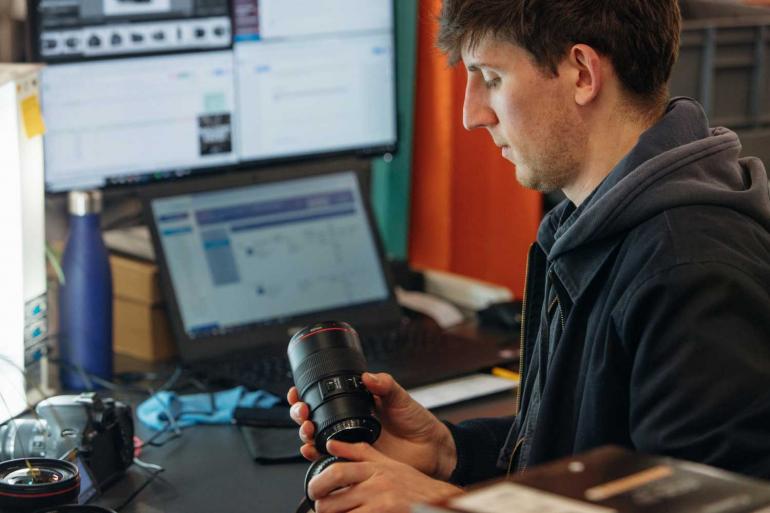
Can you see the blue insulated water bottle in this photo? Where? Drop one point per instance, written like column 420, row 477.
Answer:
column 85, row 298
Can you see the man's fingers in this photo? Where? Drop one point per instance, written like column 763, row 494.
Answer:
column 378, row 384
column 309, row 452
column 292, row 395
column 299, row 412
column 384, row 386
column 306, row 432
column 354, row 452
column 347, row 500
column 338, row 475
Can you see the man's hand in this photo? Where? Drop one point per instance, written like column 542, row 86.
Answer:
column 370, row 482
column 410, row 433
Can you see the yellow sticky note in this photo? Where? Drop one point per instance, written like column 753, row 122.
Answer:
column 31, row 116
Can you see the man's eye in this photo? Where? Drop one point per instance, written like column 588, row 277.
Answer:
column 491, row 84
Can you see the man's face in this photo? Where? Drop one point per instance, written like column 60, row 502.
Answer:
column 531, row 115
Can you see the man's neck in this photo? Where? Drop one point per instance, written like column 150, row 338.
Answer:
column 608, row 143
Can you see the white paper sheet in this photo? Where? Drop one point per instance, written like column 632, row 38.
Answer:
column 460, row 389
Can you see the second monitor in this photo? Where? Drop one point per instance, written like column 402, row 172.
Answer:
column 177, row 86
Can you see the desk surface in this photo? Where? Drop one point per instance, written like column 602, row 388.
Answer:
column 209, row 470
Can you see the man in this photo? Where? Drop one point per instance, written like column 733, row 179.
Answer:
column 647, row 317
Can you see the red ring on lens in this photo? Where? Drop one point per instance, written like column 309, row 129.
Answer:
column 303, row 337
column 35, row 495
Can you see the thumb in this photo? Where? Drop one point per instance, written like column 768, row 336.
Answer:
column 354, row 452
column 385, row 387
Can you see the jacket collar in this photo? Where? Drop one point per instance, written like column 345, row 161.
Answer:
column 576, row 268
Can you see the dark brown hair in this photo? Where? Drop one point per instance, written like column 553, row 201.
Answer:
column 641, row 37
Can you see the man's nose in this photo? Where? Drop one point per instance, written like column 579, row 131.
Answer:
column 476, row 112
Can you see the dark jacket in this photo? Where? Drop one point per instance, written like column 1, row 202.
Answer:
column 661, row 292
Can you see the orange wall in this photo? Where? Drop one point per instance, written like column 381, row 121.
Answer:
column 468, row 214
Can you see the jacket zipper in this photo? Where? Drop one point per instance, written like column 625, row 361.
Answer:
column 520, row 441
column 522, row 332
column 513, row 455
column 556, row 300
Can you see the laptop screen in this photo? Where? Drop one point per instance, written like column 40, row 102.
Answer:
column 261, row 254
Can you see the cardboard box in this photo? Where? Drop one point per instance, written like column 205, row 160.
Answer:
column 613, row 480
column 141, row 327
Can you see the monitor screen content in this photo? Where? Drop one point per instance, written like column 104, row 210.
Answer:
column 266, row 253
column 138, row 90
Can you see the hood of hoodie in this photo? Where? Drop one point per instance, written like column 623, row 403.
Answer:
column 677, row 162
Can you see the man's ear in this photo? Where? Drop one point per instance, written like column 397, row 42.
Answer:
column 587, row 68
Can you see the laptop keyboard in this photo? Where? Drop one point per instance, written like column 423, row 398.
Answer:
column 417, row 353
column 271, row 373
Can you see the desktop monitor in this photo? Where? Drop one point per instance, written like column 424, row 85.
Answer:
column 141, row 90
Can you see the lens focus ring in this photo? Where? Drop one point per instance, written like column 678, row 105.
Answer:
column 330, row 361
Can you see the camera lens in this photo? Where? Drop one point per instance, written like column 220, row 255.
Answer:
column 21, row 438
column 327, row 362
column 33, row 483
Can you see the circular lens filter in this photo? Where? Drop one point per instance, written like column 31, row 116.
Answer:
column 28, row 484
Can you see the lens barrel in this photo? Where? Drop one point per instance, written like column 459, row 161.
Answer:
column 327, row 362
column 25, row 437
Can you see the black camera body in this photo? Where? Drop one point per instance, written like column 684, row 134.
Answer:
column 107, row 442
column 99, row 431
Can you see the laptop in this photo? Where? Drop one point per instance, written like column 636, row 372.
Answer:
column 245, row 265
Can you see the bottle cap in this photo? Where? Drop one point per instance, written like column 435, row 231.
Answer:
column 82, row 203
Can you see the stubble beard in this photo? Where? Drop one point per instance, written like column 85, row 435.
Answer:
column 553, row 162
column 548, row 173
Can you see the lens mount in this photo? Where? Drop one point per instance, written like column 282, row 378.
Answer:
column 354, row 430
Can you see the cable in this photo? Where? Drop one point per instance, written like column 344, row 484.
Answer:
column 169, row 414
column 55, row 261
column 170, row 382
column 152, row 440
column 171, row 423
column 146, row 466
column 91, row 379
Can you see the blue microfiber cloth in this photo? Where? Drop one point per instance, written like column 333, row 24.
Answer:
column 166, row 408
